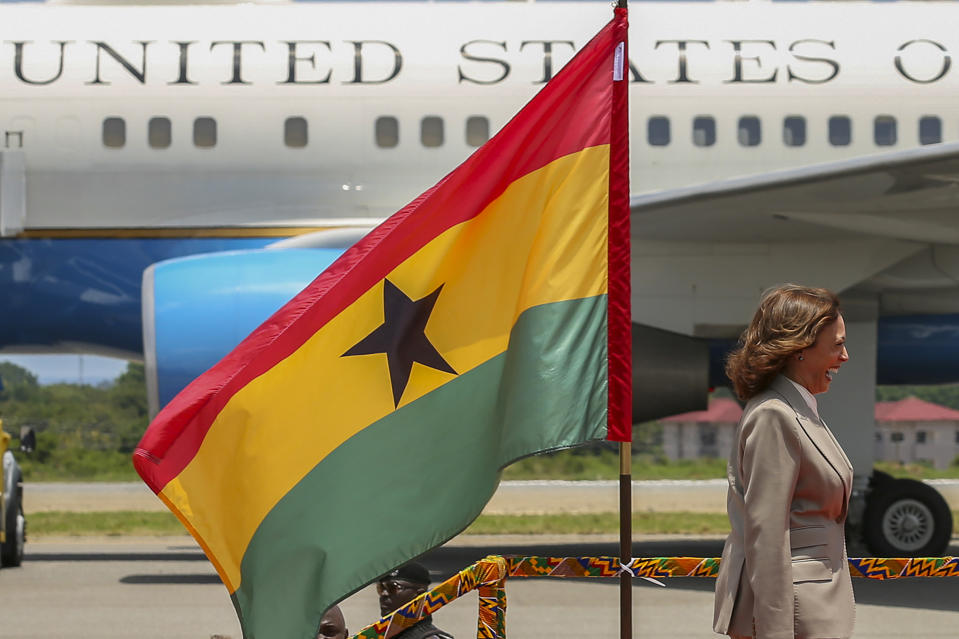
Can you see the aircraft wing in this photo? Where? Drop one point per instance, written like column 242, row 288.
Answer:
column 911, row 194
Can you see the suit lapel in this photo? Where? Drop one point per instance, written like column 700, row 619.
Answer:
column 815, row 430
column 836, row 443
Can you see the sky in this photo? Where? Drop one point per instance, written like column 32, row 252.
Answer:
column 72, row 369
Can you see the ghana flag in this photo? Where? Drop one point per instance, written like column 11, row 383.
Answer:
column 368, row 419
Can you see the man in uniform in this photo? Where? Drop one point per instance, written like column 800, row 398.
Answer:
column 402, row 585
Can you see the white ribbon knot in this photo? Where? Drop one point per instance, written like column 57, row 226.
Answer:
column 632, row 573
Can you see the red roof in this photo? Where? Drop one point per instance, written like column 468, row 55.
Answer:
column 913, row 409
column 720, row 410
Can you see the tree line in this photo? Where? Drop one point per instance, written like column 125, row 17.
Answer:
column 88, row 432
column 83, row 431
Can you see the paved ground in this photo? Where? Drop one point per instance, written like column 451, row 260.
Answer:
column 89, row 497
column 526, row 497
column 165, row 589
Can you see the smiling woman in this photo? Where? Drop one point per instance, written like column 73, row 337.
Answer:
column 813, row 367
column 784, row 572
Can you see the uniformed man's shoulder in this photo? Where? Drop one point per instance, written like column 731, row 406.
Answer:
column 424, row 630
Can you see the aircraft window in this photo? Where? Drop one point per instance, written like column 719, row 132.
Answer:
column 114, row 133
column 704, row 131
column 884, row 130
column 159, row 134
column 930, row 130
column 477, row 130
column 749, row 132
column 295, row 132
column 204, row 133
column 921, row 437
column 794, row 130
column 387, row 132
column 657, row 130
column 840, row 130
column 431, row 131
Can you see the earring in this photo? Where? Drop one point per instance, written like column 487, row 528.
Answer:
column 801, row 358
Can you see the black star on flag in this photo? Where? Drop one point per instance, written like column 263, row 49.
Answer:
column 402, row 337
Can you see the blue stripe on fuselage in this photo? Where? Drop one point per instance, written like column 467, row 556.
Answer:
column 86, row 291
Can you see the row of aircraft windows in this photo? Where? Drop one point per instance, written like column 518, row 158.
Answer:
column 386, row 132
column 749, row 130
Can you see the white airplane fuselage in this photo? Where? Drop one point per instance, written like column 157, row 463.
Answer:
column 71, row 76
column 770, row 142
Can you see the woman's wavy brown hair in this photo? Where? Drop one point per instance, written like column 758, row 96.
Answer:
column 788, row 320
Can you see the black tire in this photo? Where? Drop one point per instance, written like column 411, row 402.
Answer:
column 906, row 518
column 11, row 550
column 878, row 478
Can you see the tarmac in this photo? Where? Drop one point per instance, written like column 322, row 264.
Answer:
column 164, row 588
column 512, row 497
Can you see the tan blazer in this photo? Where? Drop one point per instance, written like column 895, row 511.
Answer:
column 784, row 572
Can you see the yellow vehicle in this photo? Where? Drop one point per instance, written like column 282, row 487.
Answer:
column 13, row 523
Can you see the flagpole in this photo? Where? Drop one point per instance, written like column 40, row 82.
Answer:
column 624, row 409
column 625, row 540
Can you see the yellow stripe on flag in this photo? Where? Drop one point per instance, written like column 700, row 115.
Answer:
column 543, row 240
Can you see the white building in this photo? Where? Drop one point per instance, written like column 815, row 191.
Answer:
column 704, row 433
column 909, row 430
column 912, row 430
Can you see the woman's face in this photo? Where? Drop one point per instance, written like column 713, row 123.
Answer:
column 821, row 360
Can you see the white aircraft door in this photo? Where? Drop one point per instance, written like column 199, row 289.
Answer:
column 13, row 186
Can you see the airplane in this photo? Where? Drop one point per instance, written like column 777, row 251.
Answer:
column 170, row 175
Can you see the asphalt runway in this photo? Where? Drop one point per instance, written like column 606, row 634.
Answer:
column 516, row 497
column 165, row 588
column 512, row 497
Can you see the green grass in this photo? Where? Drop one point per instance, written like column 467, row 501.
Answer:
column 162, row 523
column 678, row 523
column 584, row 463
column 127, row 522
column 918, row 470
column 579, row 464
column 77, row 464
column 115, row 523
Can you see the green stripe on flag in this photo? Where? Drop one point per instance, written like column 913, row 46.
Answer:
column 369, row 491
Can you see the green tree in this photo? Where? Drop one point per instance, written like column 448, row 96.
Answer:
column 128, row 397
column 18, row 382
column 943, row 394
column 84, row 432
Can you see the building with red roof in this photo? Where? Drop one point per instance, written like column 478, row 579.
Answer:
column 909, row 430
column 912, row 430
column 702, row 433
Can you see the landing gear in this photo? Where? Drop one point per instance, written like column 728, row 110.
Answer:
column 905, row 518
column 11, row 550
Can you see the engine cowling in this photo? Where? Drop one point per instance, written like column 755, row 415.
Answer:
column 196, row 309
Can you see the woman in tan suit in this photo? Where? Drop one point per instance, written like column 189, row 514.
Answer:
column 784, row 573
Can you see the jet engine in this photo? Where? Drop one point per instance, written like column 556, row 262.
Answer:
column 196, row 309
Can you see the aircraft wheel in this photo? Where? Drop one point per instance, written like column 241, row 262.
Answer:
column 906, row 518
column 11, row 551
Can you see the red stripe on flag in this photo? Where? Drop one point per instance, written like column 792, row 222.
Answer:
column 620, row 418
column 561, row 119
